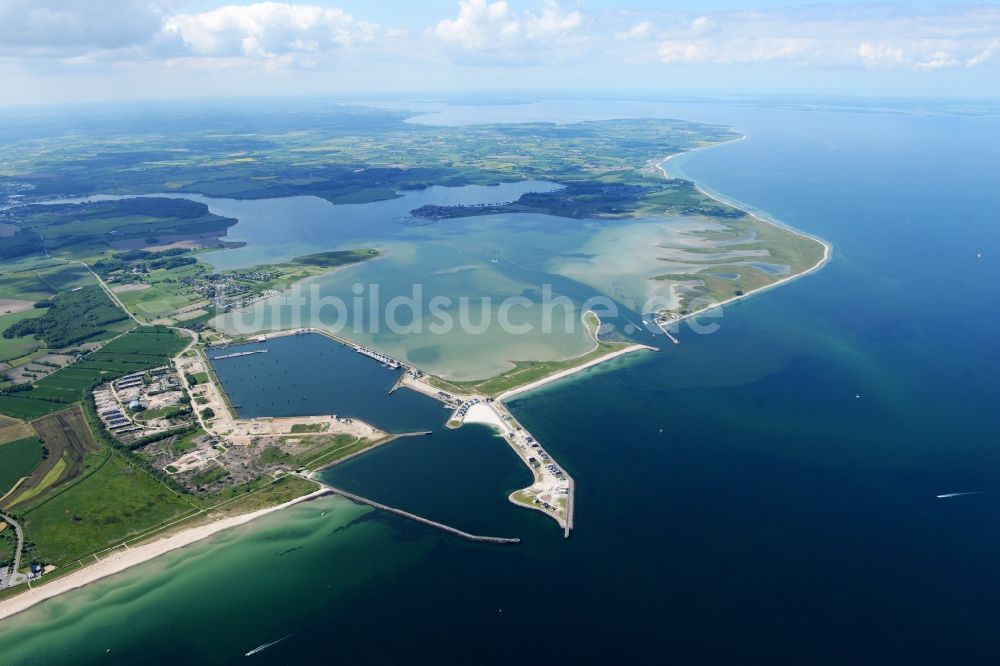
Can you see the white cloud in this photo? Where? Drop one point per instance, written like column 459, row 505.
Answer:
column 701, row 25
column 480, row 25
column 268, row 30
column 868, row 36
column 494, row 27
column 57, row 28
column 108, row 35
column 878, row 55
column 551, row 22
column 984, row 55
column 641, row 30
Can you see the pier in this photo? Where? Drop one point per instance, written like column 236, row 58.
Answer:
column 382, row 358
column 663, row 327
column 426, row 521
column 238, row 354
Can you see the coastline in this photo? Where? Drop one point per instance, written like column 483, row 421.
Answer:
column 538, row 383
column 827, row 247
column 120, row 561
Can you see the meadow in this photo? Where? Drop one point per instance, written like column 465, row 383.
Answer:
column 17, row 460
column 140, row 349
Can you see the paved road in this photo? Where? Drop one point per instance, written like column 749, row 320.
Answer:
column 15, row 578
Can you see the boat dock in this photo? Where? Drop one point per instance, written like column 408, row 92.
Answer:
column 238, row 354
column 663, row 327
column 378, row 356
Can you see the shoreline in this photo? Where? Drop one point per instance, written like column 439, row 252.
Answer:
column 538, row 383
column 121, row 561
column 827, row 247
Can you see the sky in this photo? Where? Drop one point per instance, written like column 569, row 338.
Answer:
column 65, row 51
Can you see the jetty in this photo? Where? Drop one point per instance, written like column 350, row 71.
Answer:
column 382, row 358
column 238, row 354
column 420, row 519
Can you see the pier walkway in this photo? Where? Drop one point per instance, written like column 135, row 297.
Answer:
column 412, row 516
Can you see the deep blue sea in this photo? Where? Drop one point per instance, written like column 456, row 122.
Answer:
column 764, row 493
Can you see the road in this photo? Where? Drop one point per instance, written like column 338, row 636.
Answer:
column 15, row 578
column 104, row 285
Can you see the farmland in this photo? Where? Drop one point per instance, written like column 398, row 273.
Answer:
column 37, row 278
column 12, row 347
column 112, row 503
column 17, row 459
column 70, row 318
column 69, row 443
column 140, row 349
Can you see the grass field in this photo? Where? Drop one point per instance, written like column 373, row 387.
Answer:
column 35, row 283
column 186, row 443
column 11, row 348
column 281, row 491
column 310, row 427
column 314, row 451
column 106, row 507
column 14, row 429
column 17, row 459
column 69, row 441
column 140, row 349
column 526, row 372
column 164, row 294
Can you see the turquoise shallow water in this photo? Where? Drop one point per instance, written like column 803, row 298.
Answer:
column 737, row 501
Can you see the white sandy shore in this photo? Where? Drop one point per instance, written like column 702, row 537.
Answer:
column 482, row 413
column 569, row 371
column 827, row 248
column 120, row 561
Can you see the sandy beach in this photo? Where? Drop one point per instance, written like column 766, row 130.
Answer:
column 120, row 561
column 827, row 248
column 569, row 371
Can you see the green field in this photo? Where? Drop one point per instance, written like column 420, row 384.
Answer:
column 310, row 427
column 72, row 453
column 17, row 460
column 13, row 348
column 525, row 372
column 73, row 317
column 314, row 451
column 210, row 476
column 164, row 292
column 39, row 279
column 335, row 258
column 300, row 268
column 168, row 412
column 114, row 502
column 140, row 349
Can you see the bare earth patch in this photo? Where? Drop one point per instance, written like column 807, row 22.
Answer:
column 135, row 286
column 171, row 242
column 12, row 305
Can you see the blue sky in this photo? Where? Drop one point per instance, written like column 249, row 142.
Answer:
column 60, row 51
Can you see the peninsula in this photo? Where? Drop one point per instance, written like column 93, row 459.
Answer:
column 127, row 270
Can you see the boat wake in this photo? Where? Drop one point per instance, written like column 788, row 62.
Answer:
column 261, row 648
column 947, row 495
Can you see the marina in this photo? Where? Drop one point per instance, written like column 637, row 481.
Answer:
column 552, row 489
